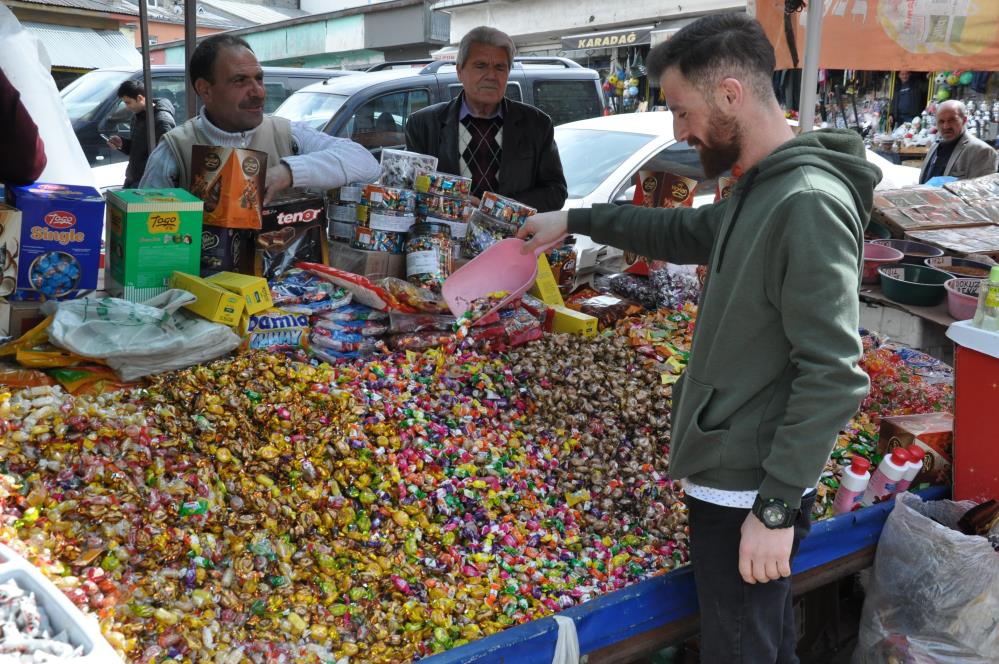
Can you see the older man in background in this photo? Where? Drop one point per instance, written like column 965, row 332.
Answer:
column 504, row 146
column 957, row 153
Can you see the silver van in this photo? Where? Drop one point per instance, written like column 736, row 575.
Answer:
column 372, row 107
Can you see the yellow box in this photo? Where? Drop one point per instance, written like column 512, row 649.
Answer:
column 545, row 288
column 214, row 302
column 573, row 322
column 254, row 290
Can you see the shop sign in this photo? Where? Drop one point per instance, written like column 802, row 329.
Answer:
column 609, row 39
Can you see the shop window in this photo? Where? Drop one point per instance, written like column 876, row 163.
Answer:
column 566, row 101
column 276, row 93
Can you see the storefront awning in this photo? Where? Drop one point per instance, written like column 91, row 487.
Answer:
column 608, row 39
column 83, row 48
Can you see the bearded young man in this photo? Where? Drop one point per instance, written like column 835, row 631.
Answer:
column 773, row 373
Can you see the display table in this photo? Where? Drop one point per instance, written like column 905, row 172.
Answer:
column 913, row 156
column 922, row 328
column 621, row 625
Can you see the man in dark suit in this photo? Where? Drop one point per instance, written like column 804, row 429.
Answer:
column 957, row 152
column 505, row 146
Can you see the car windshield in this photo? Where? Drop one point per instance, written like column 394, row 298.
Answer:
column 312, row 108
column 83, row 96
column 589, row 156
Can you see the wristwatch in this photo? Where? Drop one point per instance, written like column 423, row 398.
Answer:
column 774, row 512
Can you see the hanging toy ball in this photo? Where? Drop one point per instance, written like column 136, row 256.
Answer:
column 612, row 79
column 626, row 93
column 607, row 86
column 941, row 78
column 952, row 79
column 943, row 94
column 965, row 78
column 633, row 91
column 620, row 85
column 633, row 82
column 620, row 73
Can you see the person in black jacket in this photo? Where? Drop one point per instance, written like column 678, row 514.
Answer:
column 909, row 100
column 136, row 147
column 506, row 147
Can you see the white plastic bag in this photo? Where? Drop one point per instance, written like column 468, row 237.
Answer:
column 138, row 339
column 26, row 64
column 567, row 643
column 933, row 594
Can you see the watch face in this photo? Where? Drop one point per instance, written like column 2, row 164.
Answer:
column 773, row 515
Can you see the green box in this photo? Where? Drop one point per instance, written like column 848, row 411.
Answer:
column 151, row 234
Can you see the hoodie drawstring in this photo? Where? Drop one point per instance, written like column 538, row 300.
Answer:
column 735, row 216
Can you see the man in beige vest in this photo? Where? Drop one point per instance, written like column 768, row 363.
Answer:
column 228, row 79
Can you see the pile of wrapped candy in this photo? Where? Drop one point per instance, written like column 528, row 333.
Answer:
column 255, row 508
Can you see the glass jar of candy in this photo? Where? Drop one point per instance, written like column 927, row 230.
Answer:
column 428, row 255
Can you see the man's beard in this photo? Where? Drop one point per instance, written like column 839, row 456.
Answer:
column 724, row 145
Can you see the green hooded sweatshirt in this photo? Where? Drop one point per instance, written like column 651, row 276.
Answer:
column 773, row 373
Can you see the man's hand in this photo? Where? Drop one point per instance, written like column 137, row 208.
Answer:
column 278, row 179
column 764, row 554
column 115, row 142
column 546, row 227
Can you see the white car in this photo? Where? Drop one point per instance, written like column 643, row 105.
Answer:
column 600, row 157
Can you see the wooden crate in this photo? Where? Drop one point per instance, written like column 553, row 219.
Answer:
column 962, row 241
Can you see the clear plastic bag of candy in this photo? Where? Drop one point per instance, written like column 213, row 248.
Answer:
column 411, row 296
column 367, row 328
column 343, row 342
column 354, row 311
column 400, row 167
column 419, row 340
column 420, row 322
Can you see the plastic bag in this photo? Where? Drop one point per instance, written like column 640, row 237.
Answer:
column 26, row 64
column 933, row 594
column 138, row 339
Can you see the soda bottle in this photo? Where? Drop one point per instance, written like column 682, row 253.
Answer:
column 885, row 479
column 914, row 466
column 987, row 313
column 856, row 476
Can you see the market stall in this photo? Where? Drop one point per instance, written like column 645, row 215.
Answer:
column 281, row 433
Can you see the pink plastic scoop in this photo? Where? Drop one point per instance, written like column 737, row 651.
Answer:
column 501, row 267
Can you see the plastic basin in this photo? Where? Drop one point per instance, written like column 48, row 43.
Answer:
column 876, row 255
column 962, row 297
column 914, row 284
column 876, row 231
column 914, row 253
column 961, row 268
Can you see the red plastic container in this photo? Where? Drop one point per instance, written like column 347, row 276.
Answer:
column 876, row 255
column 976, row 402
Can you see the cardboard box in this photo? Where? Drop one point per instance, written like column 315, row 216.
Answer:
column 374, row 265
column 152, row 233
column 545, row 287
column 16, row 318
column 254, row 290
column 214, row 302
column 934, row 432
column 573, row 322
column 231, row 183
column 293, row 229
column 226, row 250
column 54, row 241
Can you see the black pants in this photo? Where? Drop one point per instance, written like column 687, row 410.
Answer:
column 740, row 622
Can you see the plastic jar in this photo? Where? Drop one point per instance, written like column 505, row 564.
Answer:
column 428, row 255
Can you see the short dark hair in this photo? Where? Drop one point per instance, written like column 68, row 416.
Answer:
column 717, row 46
column 132, row 89
column 203, row 59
